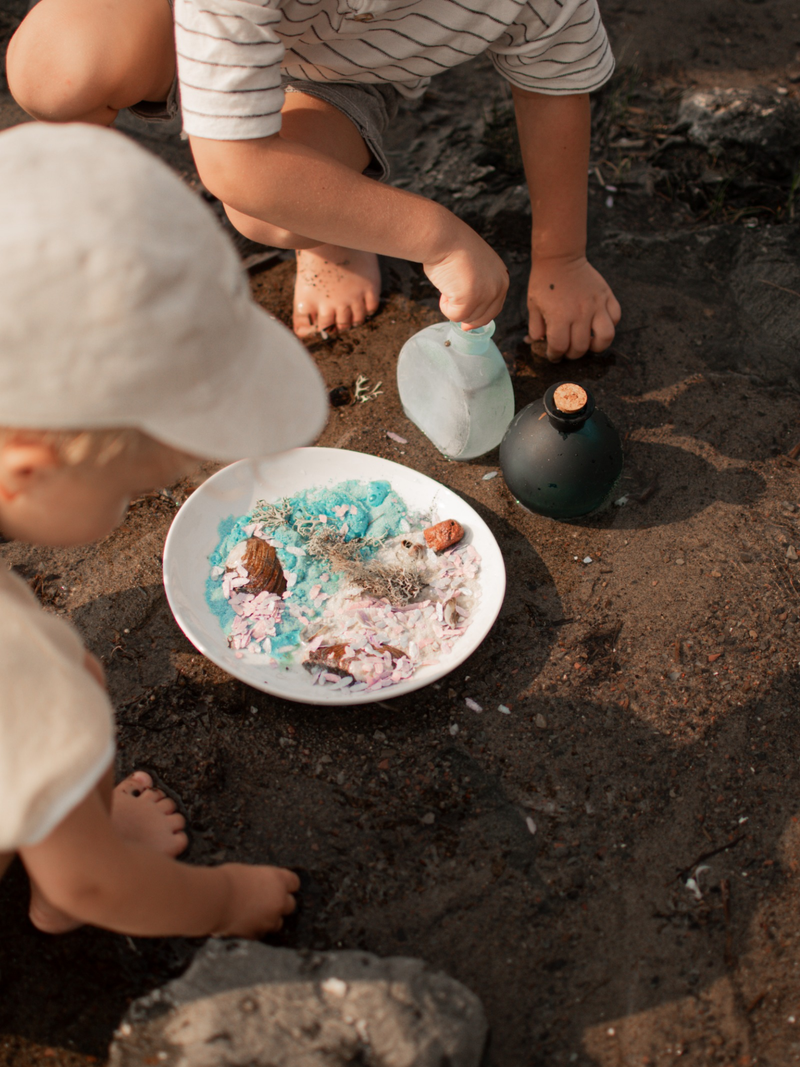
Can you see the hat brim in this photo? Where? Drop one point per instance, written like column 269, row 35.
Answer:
column 272, row 398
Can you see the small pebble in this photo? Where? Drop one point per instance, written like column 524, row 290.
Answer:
column 335, row 986
column 791, row 552
column 620, row 502
column 340, row 396
column 488, row 477
column 473, row 705
column 443, row 535
column 428, row 819
column 540, row 721
column 587, row 559
column 530, row 824
column 396, row 437
column 504, row 709
column 454, row 729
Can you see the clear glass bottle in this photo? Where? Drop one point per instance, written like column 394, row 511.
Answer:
column 455, row 386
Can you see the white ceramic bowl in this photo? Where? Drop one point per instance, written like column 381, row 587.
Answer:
column 234, row 490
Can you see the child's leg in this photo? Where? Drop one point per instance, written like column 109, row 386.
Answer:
column 140, row 813
column 80, row 60
column 335, row 287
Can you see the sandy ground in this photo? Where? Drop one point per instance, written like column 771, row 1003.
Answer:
column 653, row 692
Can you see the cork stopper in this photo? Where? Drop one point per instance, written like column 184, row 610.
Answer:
column 570, row 398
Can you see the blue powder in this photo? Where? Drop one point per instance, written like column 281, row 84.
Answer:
column 379, row 514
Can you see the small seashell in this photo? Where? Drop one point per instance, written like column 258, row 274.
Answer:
column 412, row 548
column 261, row 562
column 451, row 616
column 443, row 535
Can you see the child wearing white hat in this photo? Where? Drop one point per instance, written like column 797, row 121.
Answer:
column 129, row 348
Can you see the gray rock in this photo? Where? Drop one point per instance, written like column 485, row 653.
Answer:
column 765, row 124
column 244, row 1004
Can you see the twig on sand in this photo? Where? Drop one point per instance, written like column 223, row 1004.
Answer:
column 755, row 1001
column 647, row 492
column 725, row 890
column 782, row 288
column 707, row 856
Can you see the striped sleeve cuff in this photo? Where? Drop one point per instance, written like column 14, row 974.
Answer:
column 228, row 57
column 572, row 55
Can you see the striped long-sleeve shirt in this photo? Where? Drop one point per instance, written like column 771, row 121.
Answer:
column 231, row 52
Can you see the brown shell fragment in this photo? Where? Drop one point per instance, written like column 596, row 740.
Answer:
column 334, row 659
column 443, row 535
column 332, row 656
column 261, row 562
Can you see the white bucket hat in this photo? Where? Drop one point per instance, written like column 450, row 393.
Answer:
column 123, row 304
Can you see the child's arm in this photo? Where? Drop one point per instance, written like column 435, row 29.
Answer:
column 568, row 301
column 303, row 191
column 86, row 870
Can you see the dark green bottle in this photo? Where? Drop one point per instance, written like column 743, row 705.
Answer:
column 560, row 457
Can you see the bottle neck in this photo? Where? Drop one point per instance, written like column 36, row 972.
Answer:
column 567, row 421
column 471, row 342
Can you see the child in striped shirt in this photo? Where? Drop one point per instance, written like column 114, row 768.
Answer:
column 285, row 101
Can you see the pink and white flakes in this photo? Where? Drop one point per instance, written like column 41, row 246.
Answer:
column 417, row 634
column 381, row 644
column 257, row 617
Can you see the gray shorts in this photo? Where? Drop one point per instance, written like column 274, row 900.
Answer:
column 369, row 107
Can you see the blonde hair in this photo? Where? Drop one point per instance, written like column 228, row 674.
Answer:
column 74, row 447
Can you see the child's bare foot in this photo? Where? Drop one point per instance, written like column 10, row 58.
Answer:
column 336, row 288
column 140, row 813
column 144, row 814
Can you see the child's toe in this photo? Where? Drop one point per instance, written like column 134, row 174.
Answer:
column 358, row 312
column 302, row 324
column 344, row 318
column 178, row 844
column 136, row 783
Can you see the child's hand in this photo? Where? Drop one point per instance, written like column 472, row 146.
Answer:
column 472, row 279
column 572, row 305
column 258, row 899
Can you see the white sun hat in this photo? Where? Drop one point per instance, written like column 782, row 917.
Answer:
column 123, row 304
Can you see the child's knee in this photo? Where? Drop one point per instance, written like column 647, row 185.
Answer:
column 48, row 75
column 74, row 60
